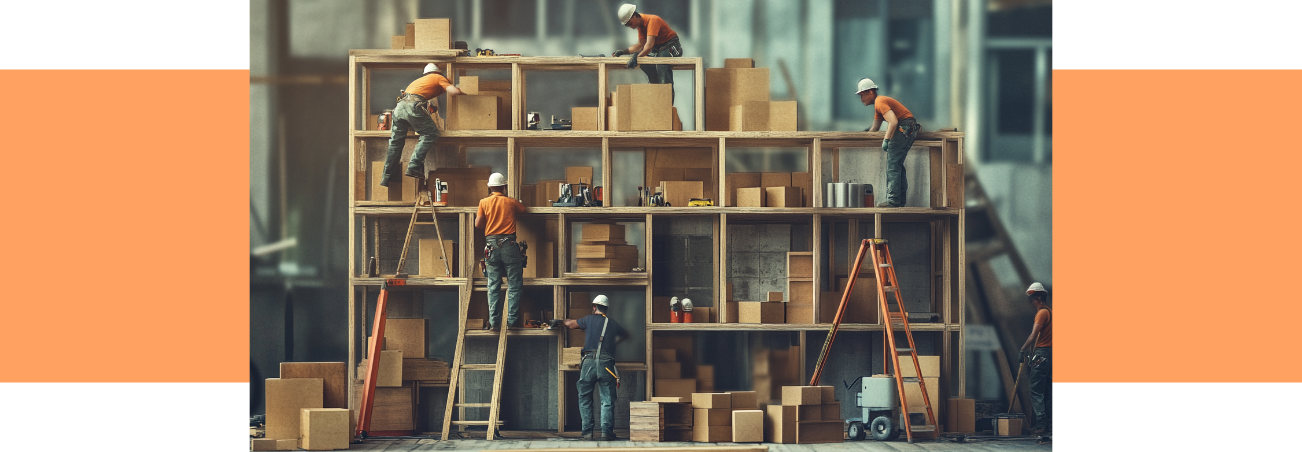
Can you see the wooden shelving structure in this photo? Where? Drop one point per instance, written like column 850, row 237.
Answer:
column 944, row 216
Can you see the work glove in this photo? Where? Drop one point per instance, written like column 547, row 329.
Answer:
column 620, row 52
column 632, row 61
column 555, row 323
column 886, row 145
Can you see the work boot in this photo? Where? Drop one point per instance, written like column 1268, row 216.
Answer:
column 888, row 204
column 418, row 173
column 587, row 436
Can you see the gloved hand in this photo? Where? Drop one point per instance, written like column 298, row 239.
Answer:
column 620, row 52
column 632, row 61
column 886, row 145
column 555, row 323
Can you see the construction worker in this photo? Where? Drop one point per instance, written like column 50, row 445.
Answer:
column 502, row 254
column 654, row 38
column 1038, row 350
column 415, row 111
column 901, row 129
column 601, row 333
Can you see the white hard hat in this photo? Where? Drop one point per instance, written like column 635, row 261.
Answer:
column 601, row 300
column 626, row 13
column 687, row 305
column 865, row 85
column 430, row 68
column 1035, row 287
column 496, row 180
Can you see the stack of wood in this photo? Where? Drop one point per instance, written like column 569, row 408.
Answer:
column 660, row 421
column 603, row 249
column 807, row 415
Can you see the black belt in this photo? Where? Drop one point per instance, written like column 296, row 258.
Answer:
column 413, row 98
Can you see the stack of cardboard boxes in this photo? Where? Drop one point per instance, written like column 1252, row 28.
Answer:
column 769, row 189
column 800, row 287
column 668, row 371
column 307, row 408
column 913, row 392
column 737, row 99
column 727, row 417
column 660, row 421
column 603, row 249
column 772, row 369
column 807, row 415
column 681, row 174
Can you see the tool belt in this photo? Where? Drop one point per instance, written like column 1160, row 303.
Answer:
column 910, row 129
column 411, row 98
column 675, row 48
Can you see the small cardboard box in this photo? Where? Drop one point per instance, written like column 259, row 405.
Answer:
column 930, row 366
column 263, row 443
column 468, row 84
column 747, row 426
column 751, row 197
column 603, row 232
column 583, row 118
column 739, row 63
column 760, row 312
column 651, row 107
column 710, row 416
column 732, row 312
column 664, row 355
column 749, row 117
column 285, row 397
column 799, row 313
column 668, row 371
column 433, row 34
column 407, row 336
column 476, row 112
column 780, row 424
column 678, row 123
column 324, row 429
column 800, row 264
column 578, row 174
column 397, row 42
column 806, row 185
column 734, row 181
column 409, row 32
column 334, row 376
column 705, row 384
column 1008, row 427
column 831, row 411
column 612, row 123
column 744, row 400
column 680, row 387
column 775, row 296
column 961, row 415
column 814, row 432
column 703, row 433
column 782, row 196
column 672, row 399
column 802, row 395
column 712, row 400
column 782, row 116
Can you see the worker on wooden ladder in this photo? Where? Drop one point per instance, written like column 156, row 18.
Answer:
column 1038, row 348
column 502, row 254
column 901, row 129
column 415, row 111
column 654, row 38
column 601, row 333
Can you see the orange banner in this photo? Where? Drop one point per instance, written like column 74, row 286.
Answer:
column 126, row 256
column 1174, row 235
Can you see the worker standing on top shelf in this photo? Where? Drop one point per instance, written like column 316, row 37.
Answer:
column 901, row 129
column 502, row 254
column 654, row 38
column 597, row 367
column 1039, row 349
column 415, row 111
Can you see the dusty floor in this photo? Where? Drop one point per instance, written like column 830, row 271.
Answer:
column 973, row 444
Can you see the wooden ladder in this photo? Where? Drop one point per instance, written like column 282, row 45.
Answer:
column 884, row 269
column 459, row 367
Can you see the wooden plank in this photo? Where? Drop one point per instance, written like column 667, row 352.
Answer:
column 936, row 177
column 722, row 267
column 517, row 96
column 712, row 448
column 721, row 170
column 700, row 97
column 603, row 79
column 606, row 171
column 816, row 174
column 694, row 139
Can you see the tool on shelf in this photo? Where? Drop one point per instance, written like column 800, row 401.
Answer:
column 484, row 52
column 440, row 192
column 562, row 124
column 700, row 202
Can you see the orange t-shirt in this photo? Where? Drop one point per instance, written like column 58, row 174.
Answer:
column 499, row 213
column 1044, row 318
column 655, row 26
column 429, row 86
column 884, row 104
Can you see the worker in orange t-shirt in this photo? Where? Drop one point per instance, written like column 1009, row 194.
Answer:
column 654, row 38
column 901, row 129
column 503, row 256
column 414, row 111
column 1039, row 348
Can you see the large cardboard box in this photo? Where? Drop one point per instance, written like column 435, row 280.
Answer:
column 393, row 409
column 602, row 232
column 802, row 395
column 712, row 400
column 284, row 398
column 735, row 181
column 324, row 429
column 815, row 432
column 584, row 118
column 649, row 106
column 407, row 336
column 760, row 312
column 475, row 112
column 751, row 197
column 782, row 196
column 739, row 63
column 961, row 415
column 334, row 380
column 799, row 314
column 747, row 426
column 800, row 264
column 711, row 433
column 431, row 257
column 930, row 366
column 780, row 424
column 710, row 416
column 678, row 193
column 744, row 400
column 578, row 174
column 675, row 387
column 914, row 395
column 668, row 371
column 433, row 34
column 775, row 179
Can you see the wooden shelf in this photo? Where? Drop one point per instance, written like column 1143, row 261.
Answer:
column 513, row 332
column 738, row 214
column 412, row 281
column 841, row 139
column 481, row 283
column 784, row 327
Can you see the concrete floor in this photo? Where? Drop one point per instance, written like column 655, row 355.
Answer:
column 991, row 444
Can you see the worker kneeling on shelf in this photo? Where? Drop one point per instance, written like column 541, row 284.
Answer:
column 901, row 129
column 503, row 256
column 654, row 38
column 601, row 333
column 415, row 111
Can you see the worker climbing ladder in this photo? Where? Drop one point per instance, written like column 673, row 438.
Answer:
column 884, row 269
column 459, row 368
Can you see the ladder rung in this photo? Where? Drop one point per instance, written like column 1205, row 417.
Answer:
column 885, row 265
column 474, row 422
column 911, row 379
column 898, row 350
column 479, row 367
column 424, row 222
column 923, row 428
column 889, row 289
column 474, row 405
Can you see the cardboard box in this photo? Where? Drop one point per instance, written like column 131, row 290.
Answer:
column 728, row 87
column 668, row 371
column 734, row 181
column 677, row 124
column 324, row 429
column 710, row 416
column 409, row 32
column 780, row 424
column 393, row 409
column 380, row 192
column 744, row 400
column 738, row 63
column 672, row 399
column 285, row 397
column 675, row 387
column 678, row 193
column 775, row 179
column 960, row 415
column 578, row 174
column 493, row 88
column 699, row 174
column 390, row 374
column 805, row 183
column 782, row 116
column 751, row 197
column 712, row 400
column 809, row 413
column 602, row 232
column 930, row 366
column 431, row 257
column 584, row 118
column 815, row 432
column 468, row 84
column 397, row 42
column 800, row 264
column 732, row 312
column 747, row 426
column 760, row 312
column 548, row 192
column 705, row 371
column 407, row 336
column 1008, row 427
column 749, row 117
column 334, row 380
column 711, row 433
column 606, row 265
column 475, row 324
column 801, row 292
column 433, row 34
column 612, row 123
column 802, row 395
column 705, row 384
column 664, row 355
column 831, row 411
column 571, row 356
column 650, row 107
column 775, row 296
column 782, row 197
column 702, row 315
column 582, row 251
column 799, row 314
column 262, row 444
column 421, row 369
column 621, row 100
column 913, row 394
column 475, row 112
column 829, row 394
